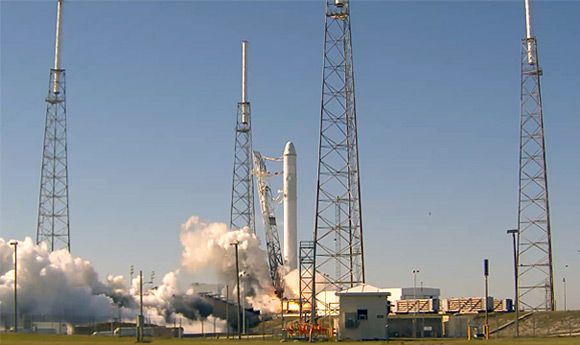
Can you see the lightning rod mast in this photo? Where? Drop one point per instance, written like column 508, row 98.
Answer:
column 53, row 210
column 534, row 256
column 338, row 185
column 242, row 212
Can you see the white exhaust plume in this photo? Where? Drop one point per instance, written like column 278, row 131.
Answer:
column 63, row 286
column 53, row 283
column 208, row 245
column 58, row 284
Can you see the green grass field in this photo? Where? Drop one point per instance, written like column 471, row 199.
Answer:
column 32, row 339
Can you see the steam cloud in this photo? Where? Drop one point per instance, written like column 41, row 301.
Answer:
column 56, row 283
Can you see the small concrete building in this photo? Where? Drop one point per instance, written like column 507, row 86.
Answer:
column 363, row 313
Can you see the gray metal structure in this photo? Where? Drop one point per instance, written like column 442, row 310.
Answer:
column 306, row 283
column 339, row 260
column 242, row 212
column 536, row 280
column 53, row 210
column 275, row 260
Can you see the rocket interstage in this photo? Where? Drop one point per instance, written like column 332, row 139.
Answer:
column 290, row 207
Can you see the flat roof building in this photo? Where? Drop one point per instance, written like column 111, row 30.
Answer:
column 413, row 293
column 363, row 313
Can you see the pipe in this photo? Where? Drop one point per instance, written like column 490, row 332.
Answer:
column 244, row 72
column 244, row 82
column 56, row 86
column 529, row 33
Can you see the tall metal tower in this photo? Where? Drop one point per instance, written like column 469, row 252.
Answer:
column 53, row 218
column 536, row 280
column 242, row 212
column 339, row 260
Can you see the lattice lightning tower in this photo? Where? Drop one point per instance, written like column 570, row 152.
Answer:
column 242, row 212
column 338, row 255
column 536, row 281
column 53, row 213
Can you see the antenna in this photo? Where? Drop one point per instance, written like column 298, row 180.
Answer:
column 56, row 87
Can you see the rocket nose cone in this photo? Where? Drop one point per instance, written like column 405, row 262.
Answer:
column 289, row 149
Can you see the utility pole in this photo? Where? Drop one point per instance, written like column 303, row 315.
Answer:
column 227, row 312
column 565, row 294
column 15, row 244
column 415, row 272
column 140, row 318
column 236, row 244
column 486, row 274
column 513, row 232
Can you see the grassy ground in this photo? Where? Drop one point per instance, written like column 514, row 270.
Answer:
column 30, row 339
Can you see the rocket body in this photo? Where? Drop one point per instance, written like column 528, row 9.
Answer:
column 290, row 208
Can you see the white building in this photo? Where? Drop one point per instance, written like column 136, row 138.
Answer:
column 363, row 313
column 48, row 327
column 200, row 288
column 413, row 293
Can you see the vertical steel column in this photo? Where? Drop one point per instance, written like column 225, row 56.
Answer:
column 536, row 282
column 338, row 185
column 306, row 283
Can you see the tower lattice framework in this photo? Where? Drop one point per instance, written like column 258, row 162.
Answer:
column 339, row 260
column 536, row 281
column 53, row 211
column 242, row 212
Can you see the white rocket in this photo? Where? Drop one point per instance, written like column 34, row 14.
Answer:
column 290, row 209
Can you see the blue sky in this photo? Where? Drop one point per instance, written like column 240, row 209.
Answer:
column 152, row 90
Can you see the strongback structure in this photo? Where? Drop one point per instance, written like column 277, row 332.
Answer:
column 242, row 212
column 275, row 260
column 338, row 254
column 53, row 212
column 536, row 282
